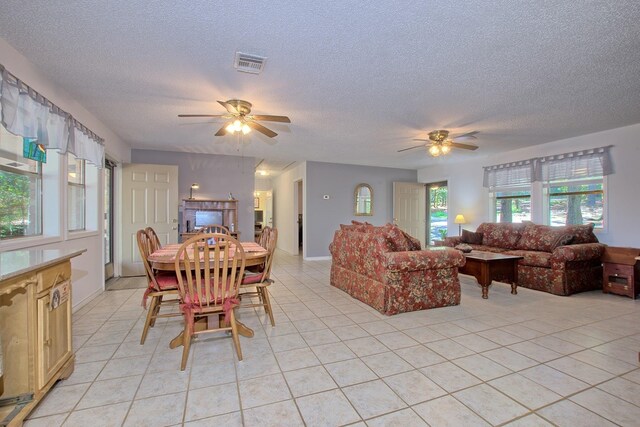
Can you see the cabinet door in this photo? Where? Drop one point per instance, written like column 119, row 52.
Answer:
column 54, row 338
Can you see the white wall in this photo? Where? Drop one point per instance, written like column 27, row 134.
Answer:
column 467, row 196
column 283, row 207
column 88, row 269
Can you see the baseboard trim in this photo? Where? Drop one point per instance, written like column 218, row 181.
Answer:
column 317, row 258
column 86, row 301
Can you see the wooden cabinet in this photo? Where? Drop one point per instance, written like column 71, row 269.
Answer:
column 35, row 327
column 621, row 271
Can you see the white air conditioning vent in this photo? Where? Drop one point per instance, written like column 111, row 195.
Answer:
column 247, row 63
column 15, row 164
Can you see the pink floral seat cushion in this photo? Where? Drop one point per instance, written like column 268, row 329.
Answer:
column 166, row 280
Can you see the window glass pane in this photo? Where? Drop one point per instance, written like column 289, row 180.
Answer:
column 438, row 211
column 75, row 170
column 576, row 204
column 513, row 206
column 20, row 189
column 75, row 197
column 75, row 193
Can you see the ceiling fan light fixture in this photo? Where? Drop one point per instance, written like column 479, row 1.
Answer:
column 245, row 129
column 434, row 150
column 445, row 149
column 237, row 125
column 230, row 129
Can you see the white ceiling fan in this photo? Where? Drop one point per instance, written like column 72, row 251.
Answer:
column 240, row 118
column 439, row 142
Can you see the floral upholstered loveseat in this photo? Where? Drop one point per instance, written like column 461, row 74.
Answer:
column 559, row 260
column 385, row 268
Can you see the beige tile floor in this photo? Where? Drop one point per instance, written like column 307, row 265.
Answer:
column 528, row 360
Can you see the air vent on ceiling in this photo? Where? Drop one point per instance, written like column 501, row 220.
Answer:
column 247, row 63
column 15, row 164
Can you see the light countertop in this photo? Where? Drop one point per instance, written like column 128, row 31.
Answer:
column 15, row 263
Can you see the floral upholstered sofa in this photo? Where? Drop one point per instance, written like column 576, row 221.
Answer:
column 559, row 260
column 385, row 268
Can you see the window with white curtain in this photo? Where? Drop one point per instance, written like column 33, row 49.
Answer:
column 20, row 188
column 574, row 186
column 76, row 194
column 510, row 190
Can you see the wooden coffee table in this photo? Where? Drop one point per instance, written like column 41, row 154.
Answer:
column 488, row 266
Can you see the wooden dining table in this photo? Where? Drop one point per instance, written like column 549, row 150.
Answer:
column 164, row 259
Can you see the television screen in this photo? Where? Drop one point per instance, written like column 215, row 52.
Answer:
column 258, row 216
column 204, row 218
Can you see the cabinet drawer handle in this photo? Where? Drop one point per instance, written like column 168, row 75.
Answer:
column 47, row 342
column 626, row 287
column 609, row 284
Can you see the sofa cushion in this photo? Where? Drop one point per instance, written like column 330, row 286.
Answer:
column 543, row 238
column 414, row 244
column 501, row 235
column 532, row 258
column 582, row 233
column 471, row 237
column 395, row 237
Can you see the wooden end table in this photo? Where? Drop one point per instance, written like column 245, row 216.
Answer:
column 488, row 266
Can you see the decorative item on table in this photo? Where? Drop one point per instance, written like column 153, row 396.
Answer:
column 460, row 220
column 230, row 196
column 464, row 248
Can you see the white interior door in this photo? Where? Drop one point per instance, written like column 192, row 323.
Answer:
column 149, row 199
column 409, row 208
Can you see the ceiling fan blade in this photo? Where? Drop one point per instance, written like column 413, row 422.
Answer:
column 419, row 139
column 200, row 115
column 282, row 119
column 230, row 108
column 223, row 130
column 411, row 148
column 261, row 129
column 468, row 135
column 463, row 146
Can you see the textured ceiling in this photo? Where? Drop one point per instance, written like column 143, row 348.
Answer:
column 359, row 81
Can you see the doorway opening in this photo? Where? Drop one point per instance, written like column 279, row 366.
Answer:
column 297, row 206
column 109, row 187
column 437, row 212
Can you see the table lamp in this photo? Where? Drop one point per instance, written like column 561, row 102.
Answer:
column 460, row 220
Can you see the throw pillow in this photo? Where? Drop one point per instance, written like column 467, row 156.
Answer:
column 471, row 237
column 561, row 240
column 395, row 237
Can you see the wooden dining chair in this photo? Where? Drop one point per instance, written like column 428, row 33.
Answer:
column 159, row 286
column 264, row 236
column 255, row 284
column 155, row 241
column 209, row 276
column 214, row 228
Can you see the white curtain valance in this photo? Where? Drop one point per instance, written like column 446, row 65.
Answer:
column 26, row 113
column 591, row 163
column 509, row 174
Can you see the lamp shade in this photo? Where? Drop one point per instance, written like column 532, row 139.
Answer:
column 460, row 219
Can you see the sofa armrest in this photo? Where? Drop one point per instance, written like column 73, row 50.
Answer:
column 579, row 252
column 452, row 241
column 423, row 260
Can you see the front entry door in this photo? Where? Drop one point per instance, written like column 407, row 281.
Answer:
column 409, row 208
column 150, row 199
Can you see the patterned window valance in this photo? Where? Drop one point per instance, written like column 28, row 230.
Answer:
column 509, row 174
column 592, row 163
column 25, row 112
